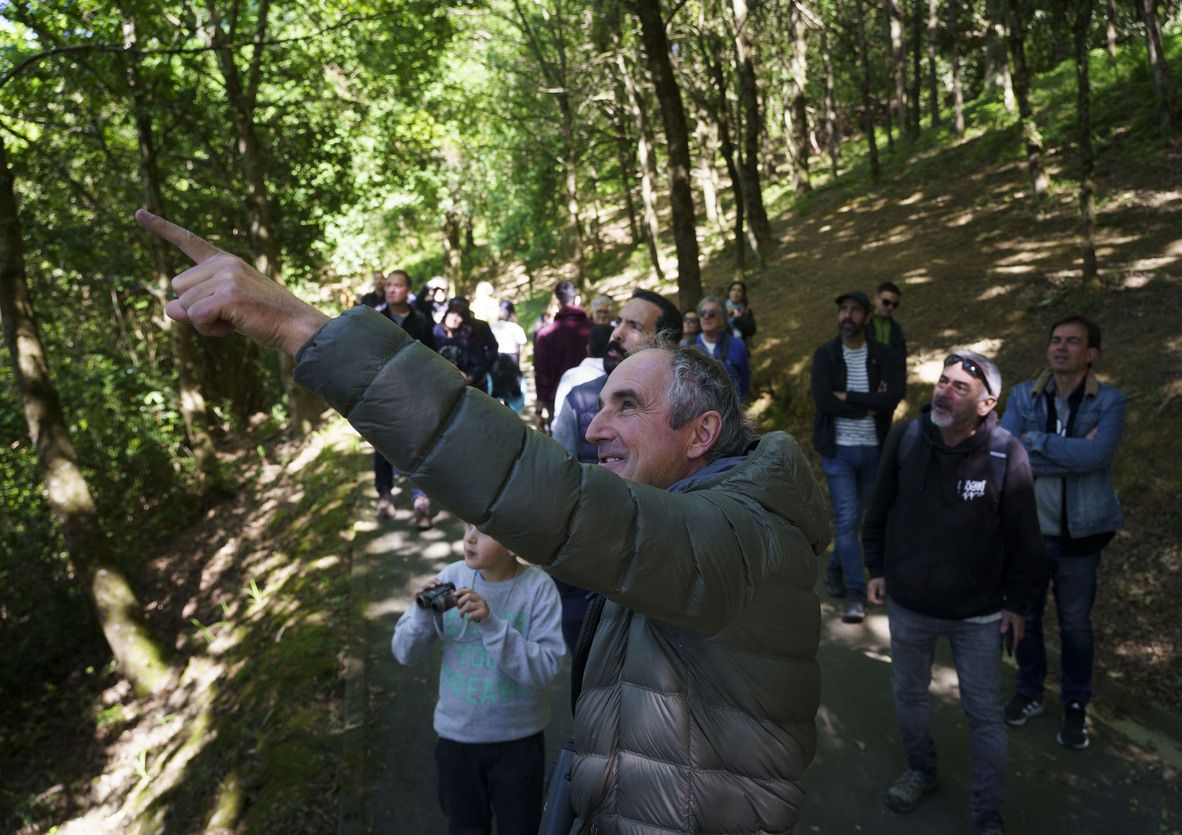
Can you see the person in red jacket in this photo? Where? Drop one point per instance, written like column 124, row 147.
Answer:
column 560, row 345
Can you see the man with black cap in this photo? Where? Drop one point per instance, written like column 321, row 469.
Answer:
column 856, row 387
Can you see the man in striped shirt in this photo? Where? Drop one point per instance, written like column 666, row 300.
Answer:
column 856, row 386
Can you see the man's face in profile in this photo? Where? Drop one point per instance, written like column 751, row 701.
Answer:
column 632, row 431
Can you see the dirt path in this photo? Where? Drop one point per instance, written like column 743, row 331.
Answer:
column 389, row 786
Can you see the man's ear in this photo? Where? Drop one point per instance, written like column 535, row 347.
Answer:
column 706, row 429
column 985, row 406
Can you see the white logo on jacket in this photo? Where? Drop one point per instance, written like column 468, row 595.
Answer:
column 970, row 489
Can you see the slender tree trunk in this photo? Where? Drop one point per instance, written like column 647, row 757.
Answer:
column 799, row 109
column 1030, row 133
column 706, row 134
column 1082, row 25
column 713, row 54
column 1163, row 84
column 194, row 411
column 832, row 140
column 453, row 262
column 898, row 62
column 1110, row 29
column 624, row 161
column 933, row 79
column 997, row 68
column 242, row 99
column 867, row 103
column 570, row 160
column 758, row 225
column 681, row 196
column 646, row 155
column 916, row 92
column 141, row 657
column 957, row 84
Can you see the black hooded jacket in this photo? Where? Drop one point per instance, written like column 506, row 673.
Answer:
column 949, row 541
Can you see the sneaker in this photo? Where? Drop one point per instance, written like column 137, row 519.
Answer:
column 855, row 611
column 906, row 792
column 834, row 584
column 385, row 506
column 1020, row 709
column 1073, row 733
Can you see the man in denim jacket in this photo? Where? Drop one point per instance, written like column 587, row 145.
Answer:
column 1070, row 424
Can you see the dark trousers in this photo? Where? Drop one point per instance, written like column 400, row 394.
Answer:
column 1074, row 582
column 478, row 781
column 383, row 477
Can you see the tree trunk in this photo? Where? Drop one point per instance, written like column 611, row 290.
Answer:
column 263, row 246
column 1082, row 25
column 957, row 84
column 867, row 102
column 997, row 68
column 713, row 55
column 706, row 134
column 1110, row 30
column 570, row 159
column 141, row 657
column 681, row 196
column 933, row 80
column 898, row 62
column 453, row 262
column 1163, row 84
column 194, row 411
column 799, row 103
column 758, row 225
column 832, row 140
column 1030, row 134
column 647, row 158
column 916, row 93
column 624, row 161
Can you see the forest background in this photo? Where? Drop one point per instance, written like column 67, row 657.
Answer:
column 176, row 515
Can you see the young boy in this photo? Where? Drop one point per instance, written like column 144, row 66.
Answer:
column 502, row 646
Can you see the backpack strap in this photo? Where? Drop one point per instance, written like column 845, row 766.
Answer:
column 999, row 441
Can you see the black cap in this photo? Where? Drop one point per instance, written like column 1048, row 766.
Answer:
column 858, row 296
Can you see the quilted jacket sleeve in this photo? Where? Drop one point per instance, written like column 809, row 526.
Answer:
column 691, row 559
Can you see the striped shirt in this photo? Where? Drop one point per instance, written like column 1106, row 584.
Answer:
column 856, row 431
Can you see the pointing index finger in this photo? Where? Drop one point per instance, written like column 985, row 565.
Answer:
column 197, row 248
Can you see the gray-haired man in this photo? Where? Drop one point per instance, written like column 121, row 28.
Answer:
column 951, row 534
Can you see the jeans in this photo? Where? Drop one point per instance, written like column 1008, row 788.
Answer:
column 976, row 650
column 383, row 477
column 1074, row 579
column 850, row 474
column 479, row 781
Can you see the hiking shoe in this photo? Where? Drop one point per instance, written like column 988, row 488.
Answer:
column 423, row 514
column 855, row 611
column 385, row 506
column 1073, row 733
column 1020, row 709
column 834, row 584
column 906, row 792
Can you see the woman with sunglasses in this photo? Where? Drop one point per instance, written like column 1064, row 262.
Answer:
column 690, row 328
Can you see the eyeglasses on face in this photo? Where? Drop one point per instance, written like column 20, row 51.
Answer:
column 971, row 367
column 693, row 319
column 885, row 302
column 708, row 314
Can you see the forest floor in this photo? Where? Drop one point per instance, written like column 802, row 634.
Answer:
column 257, row 593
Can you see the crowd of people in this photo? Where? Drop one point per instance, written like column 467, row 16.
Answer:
column 688, row 544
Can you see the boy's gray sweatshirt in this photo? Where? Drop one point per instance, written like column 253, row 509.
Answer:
column 493, row 681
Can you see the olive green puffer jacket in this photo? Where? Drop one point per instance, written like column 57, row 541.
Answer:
column 699, row 697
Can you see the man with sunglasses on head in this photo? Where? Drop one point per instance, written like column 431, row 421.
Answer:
column 1070, row 424
column 952, row 546
column 856, row 385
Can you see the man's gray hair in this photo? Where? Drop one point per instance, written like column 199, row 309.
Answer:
column 988, row 366
column 700, row 384
column 711, row 299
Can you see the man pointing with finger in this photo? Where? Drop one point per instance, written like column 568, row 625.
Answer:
column 701, row 686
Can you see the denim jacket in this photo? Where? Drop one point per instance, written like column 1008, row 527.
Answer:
column 1092, row 506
